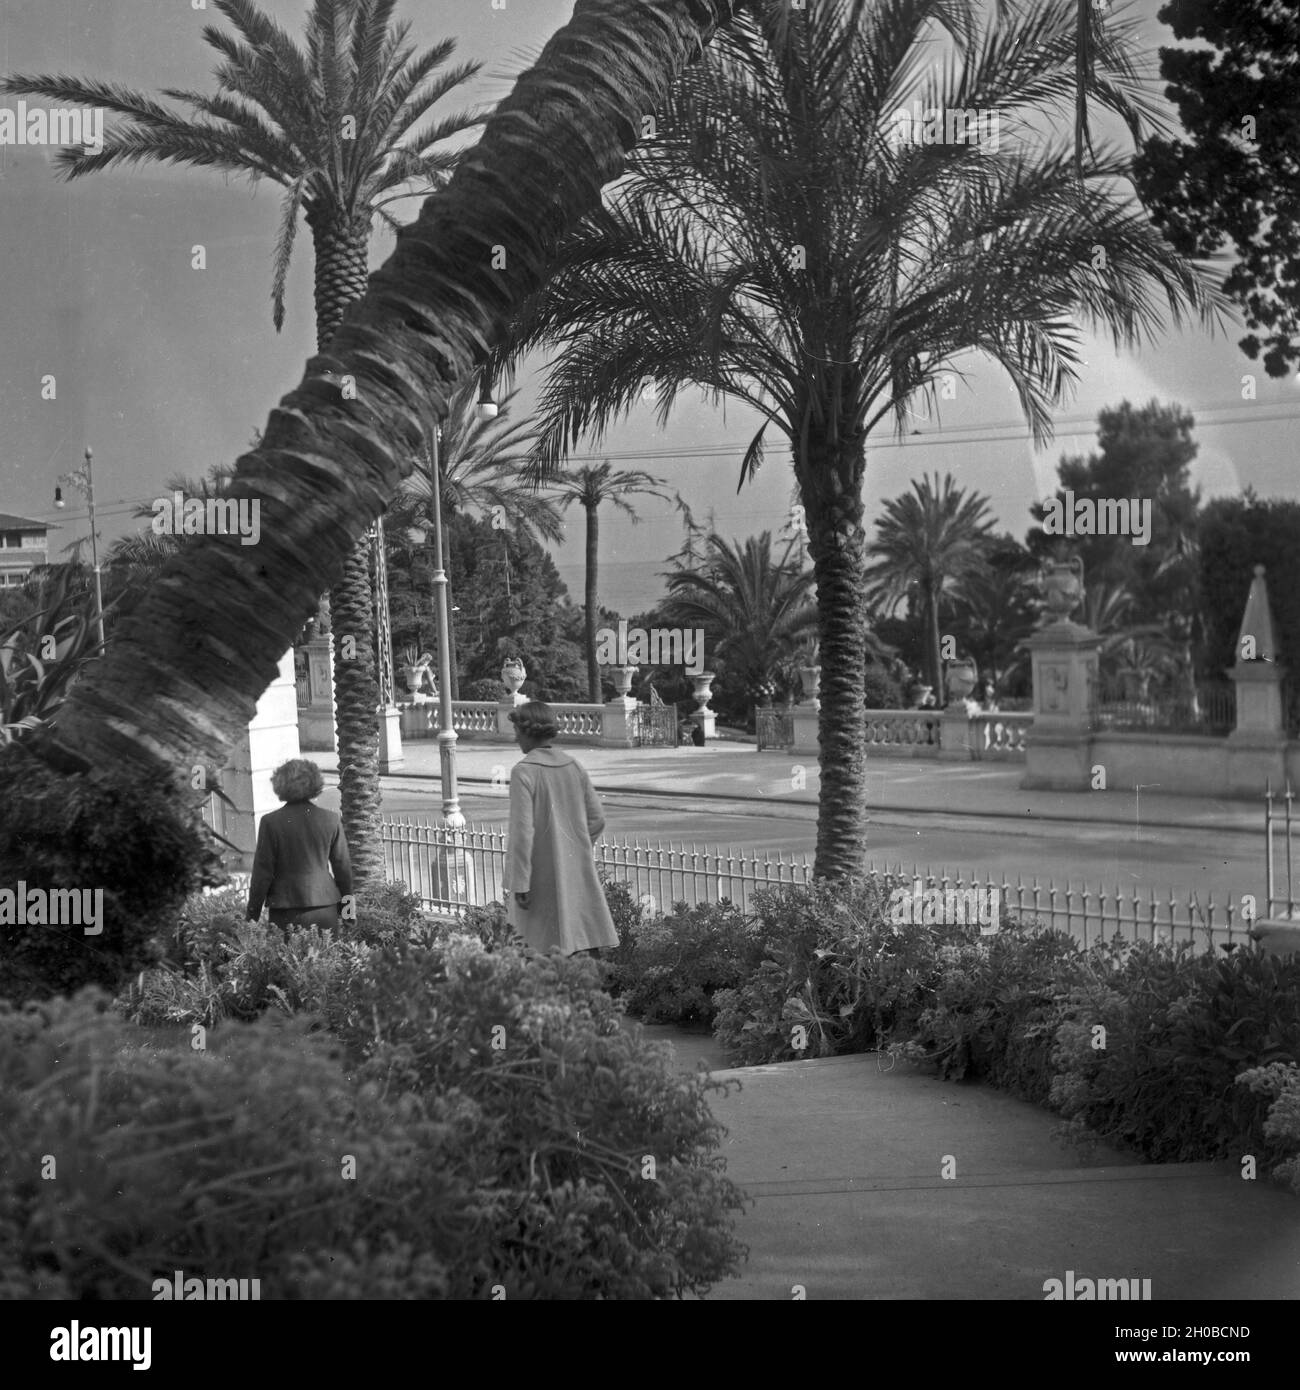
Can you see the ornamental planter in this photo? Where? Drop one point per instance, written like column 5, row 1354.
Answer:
column 1063, row 588
column 961, row 679
column 513, row 675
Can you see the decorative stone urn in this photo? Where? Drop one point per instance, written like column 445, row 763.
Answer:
column 622, row 680
column 1063, row 588
column 961, row 679
column 810, row 677
column 513, row 675
column 704, row 716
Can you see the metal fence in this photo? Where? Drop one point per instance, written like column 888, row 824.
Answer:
column 1212, row 711
column 775, row 728
column 452, row 870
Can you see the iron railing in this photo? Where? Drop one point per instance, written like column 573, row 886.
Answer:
column 454, row 869
column 1213, row 711
column 775, row 728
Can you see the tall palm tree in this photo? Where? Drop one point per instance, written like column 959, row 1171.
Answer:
column 481, row 466
column 589, row 487
column 931, row 540
column 168, row 694
column 779, row 243
column 344, row 125
column 756, row 608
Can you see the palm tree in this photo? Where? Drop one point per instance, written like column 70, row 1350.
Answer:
column 995, row 609
column 481, row 464
column 779, row 244
column 168, row 695
column 344, row 127
column 932, row 540
column 589, row 487
column 756, row 609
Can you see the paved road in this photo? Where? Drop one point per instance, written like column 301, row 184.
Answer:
column 1141, row 860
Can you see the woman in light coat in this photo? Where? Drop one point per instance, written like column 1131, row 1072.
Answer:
column 553, row 895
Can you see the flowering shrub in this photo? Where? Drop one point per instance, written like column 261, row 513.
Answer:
column 1280, row 1082
column 603, row 1159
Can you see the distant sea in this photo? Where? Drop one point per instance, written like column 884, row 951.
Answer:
column 628, row 586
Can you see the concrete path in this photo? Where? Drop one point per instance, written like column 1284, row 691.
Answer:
column 844, row 1157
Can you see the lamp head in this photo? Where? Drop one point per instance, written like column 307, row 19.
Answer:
column 58, row 498
column 487, row 409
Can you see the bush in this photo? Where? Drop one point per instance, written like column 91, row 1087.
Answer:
column 1280, row 1082
column 224, row 1164
column 832, row 975
column 574, row 1108
column 135, row 839
column 995, row 1008
column 881, row 690
column 668, row 969
column 219, row 966
column 1178, row 1030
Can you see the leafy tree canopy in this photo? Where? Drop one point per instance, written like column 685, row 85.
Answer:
column 1237, row 178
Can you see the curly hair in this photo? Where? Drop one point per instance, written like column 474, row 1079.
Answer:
column 537, row 719
column 297, row 780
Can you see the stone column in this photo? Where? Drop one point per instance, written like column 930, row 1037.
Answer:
column 270, row 739
column 1058, row 748
column 616, row 722
column 316, row 731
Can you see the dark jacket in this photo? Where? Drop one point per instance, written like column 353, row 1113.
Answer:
column 298, row 847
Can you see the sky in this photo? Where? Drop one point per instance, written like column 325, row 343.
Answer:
column 163, row 369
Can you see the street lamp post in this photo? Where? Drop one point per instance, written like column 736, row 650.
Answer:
column 83, row 479
column 451, row 812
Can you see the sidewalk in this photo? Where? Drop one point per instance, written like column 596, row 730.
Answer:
column 895, row 786
column 844, row 1157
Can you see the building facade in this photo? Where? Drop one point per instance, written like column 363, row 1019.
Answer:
column 24, row 544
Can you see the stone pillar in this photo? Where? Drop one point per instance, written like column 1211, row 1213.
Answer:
column 703, row 691
column 1257, row 746
column 270, row 739
column 390, row 739
column 956, row 733
column 1058, row 748
column 616, row 722
column 316, row 731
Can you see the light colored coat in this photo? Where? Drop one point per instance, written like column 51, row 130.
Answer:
column 555, row 818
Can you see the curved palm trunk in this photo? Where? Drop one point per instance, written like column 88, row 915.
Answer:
column 341, row 275
column 593, row 543
column 185, row 673
column 830, row 481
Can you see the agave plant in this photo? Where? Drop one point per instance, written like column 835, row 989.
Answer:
column 42, row 655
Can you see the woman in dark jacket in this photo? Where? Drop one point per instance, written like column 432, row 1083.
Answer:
column 301, row 869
